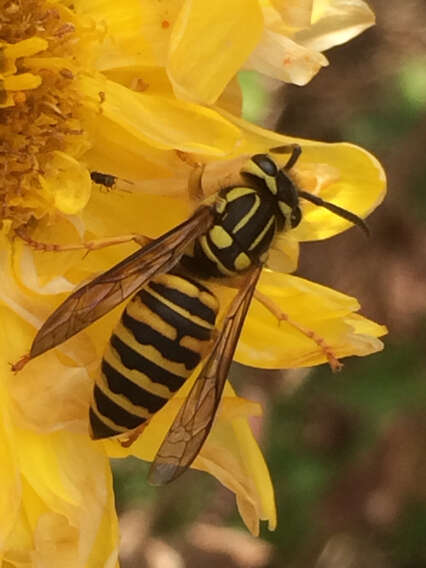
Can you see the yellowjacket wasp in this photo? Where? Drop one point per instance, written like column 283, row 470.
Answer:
column 168, row 326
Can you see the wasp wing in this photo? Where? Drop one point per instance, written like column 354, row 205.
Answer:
column 102, row 294
column 195, row 418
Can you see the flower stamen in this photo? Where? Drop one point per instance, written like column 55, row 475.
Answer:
column 39, row 103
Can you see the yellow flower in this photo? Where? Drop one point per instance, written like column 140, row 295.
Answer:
column 100, row 86
column 280, row 38
column 55, row 510
column 338, row 170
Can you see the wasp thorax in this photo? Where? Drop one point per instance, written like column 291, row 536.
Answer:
column 246, row 220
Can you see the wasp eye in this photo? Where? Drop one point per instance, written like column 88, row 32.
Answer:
column 296, row 217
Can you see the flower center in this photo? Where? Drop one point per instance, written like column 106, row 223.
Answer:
column 39, row 104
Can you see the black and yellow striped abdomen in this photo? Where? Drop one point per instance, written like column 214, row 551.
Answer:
column 163, row 333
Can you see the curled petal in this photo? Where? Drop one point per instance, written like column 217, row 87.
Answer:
column 335, row 22
column 233, row 456
column 282, row 58
column 294, row 13
column 55, row 467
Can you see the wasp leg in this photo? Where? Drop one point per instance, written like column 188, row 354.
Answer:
column 333, row 361
column 88, row 245
column 187, row 158
column 20, row 364
column 132, row 436
column 195, row 189
column 294, row 149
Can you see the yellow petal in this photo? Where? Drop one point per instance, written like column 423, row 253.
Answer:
column 40, row 464
column 294, row 13
column 283, row 256
column 163, row 122
column 9, row 475
column 19, row 546
column 265, row 343
column 55, row 541
column 282, row 58
column 59, row 541
column 42, row 271
column 142, row 28
column 63, row 502
column 105, row 547
column 45, row 404
column 335, row 22
column 55, row 466
column 230, row 454
column 121, row 213
column 41, row 403
column 60, row 490
column 359, row 187
column 209, row 44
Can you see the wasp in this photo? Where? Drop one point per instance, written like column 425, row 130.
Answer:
column 168, row 327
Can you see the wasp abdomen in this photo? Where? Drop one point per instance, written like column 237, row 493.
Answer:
column 163, row 334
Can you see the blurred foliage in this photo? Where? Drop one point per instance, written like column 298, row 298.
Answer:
column 256, row 96
column 328, row 429
column 347, row 453
column 402, row 104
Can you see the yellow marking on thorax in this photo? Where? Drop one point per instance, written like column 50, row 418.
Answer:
column 221, row 239
column 271, row 183
column 252, row 168
column 286, row 211
column 262, row 233
column 243, row 222
column 220, row 204
column 135, row 375
column 264, row 257
column 242, row 262
column 211, row 256
column 150, row 352
column 238, row 192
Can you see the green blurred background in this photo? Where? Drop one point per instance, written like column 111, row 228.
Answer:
column 346, row 453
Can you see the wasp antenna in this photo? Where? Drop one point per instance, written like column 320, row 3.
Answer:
column 294, row 149
column 336, row 209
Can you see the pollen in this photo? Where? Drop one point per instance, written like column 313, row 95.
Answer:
column 39, row 105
